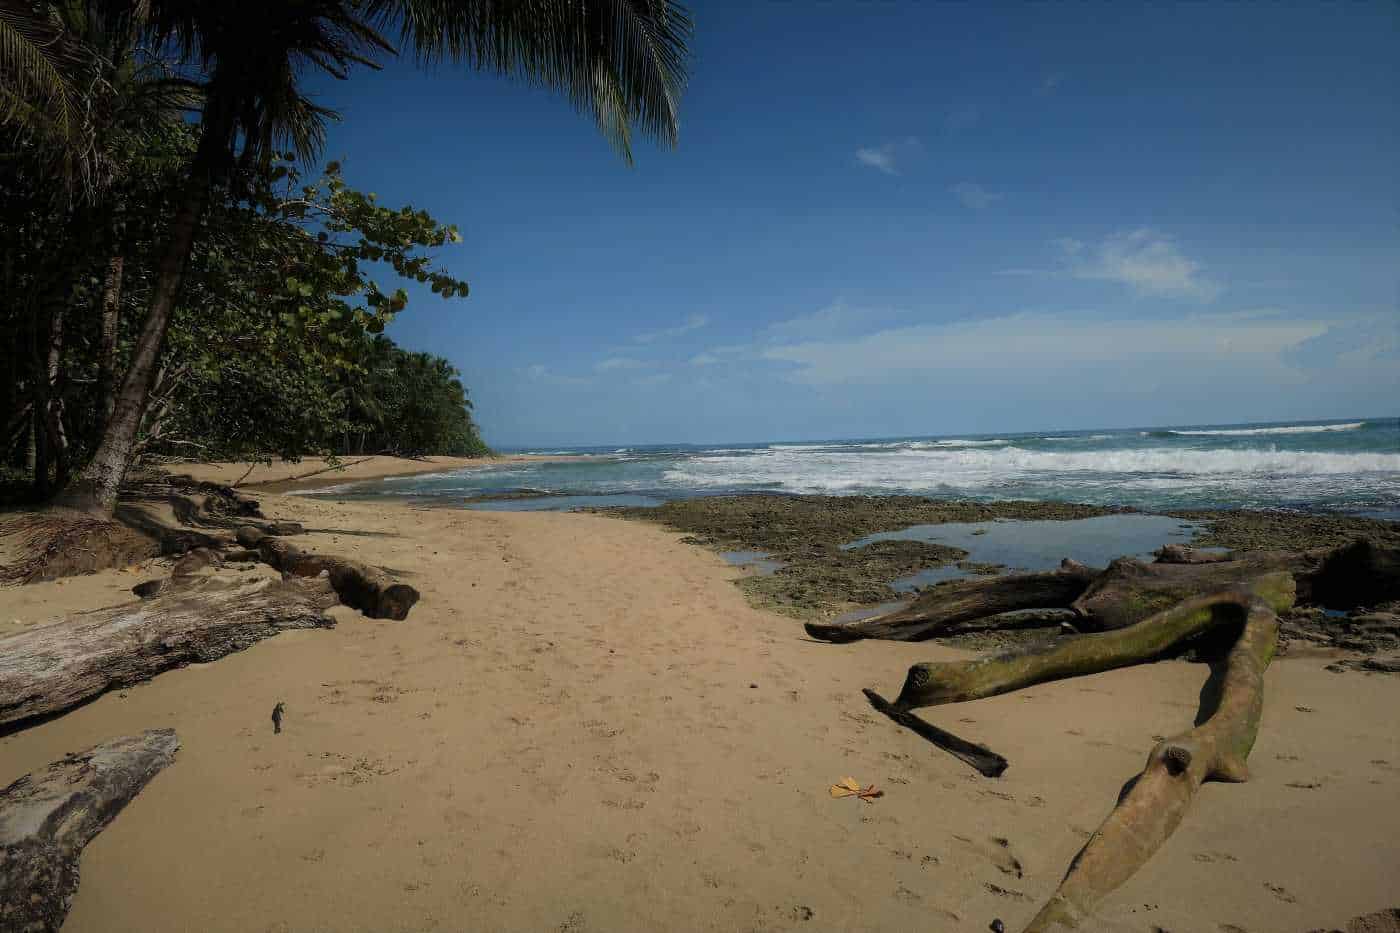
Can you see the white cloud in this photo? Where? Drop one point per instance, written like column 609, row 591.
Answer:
column 836, row 319
column 613, row 364
column 692, row 323
column 704, row 359
column 974, row 196
column 1145, row 260
column 538, row 372
column 1024, row 348
column 887, row 158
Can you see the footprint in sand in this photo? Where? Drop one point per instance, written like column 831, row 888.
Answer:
column 997, row 851
column 1280, row 892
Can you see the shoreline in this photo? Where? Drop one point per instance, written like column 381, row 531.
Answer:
column 584, row 726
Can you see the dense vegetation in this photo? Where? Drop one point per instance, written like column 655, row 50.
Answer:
column 176, row 280
column 274, row 349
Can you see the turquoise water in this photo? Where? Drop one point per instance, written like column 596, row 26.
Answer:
column 1350, row 466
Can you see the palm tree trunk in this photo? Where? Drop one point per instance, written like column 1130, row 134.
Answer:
column 95, row 488
column 107, row 349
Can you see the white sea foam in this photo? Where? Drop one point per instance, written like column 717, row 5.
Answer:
column 925, row 445
column 928, row 469
column 1251, row 432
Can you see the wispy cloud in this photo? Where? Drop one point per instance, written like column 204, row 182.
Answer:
column 974, row 196
column 835, row 320
column 692, row 323
column 616, row 363
column 1145, row 260
column 887, row 158
column 1017, row 345
column 538, row 372
column 704, row 359
column 1049, row 84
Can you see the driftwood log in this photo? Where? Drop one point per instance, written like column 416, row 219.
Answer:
column 942, row 609
column 366, row 588
column 45, row 669
column 938, row 682
column 46, row 818
column 1362, row 573
column 1157, row 799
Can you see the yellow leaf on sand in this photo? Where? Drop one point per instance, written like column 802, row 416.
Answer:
column 849, row 787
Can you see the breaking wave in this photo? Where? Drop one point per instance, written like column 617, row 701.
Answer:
column 1252, row 432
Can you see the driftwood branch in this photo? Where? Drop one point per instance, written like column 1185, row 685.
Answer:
column 936, row 683
column 986, row 761
column 48, row 668
column 941, row 609
column 46, row 818
column 1363, row 573
column 1158, row 798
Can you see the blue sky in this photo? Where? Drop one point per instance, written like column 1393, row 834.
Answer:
column 909, row 218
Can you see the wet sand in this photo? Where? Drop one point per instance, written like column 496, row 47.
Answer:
column 585, row 727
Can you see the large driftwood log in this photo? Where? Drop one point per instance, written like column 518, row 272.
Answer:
column 1362, row 573
column 1158, row 798
column 48, row 668
column 935, row 683
column 46, row 818
column 366, row 588
column 941, row 609
column 1130, row 591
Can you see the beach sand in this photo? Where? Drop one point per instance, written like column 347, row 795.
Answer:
column 314, row 472
column 584, row 727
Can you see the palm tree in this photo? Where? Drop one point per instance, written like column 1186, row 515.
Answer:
column 81, row 106
column 620, row 61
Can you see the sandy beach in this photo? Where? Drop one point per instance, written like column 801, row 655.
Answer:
column 318, row 472
column 584, row 726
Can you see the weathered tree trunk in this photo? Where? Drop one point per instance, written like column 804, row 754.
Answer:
column 943, row 607
column 1363, row 573
column 95, row 488
column 107, row 340
column 1130, row 591
column 46, row 818
column 936, row 683
column 48, row 668
column 361, row 586
column 1157, row 800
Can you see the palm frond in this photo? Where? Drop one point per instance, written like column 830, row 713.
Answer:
column 621, row 61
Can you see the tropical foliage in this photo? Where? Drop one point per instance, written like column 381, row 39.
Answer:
column 171, row 283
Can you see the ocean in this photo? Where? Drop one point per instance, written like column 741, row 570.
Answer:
column 1347, row 466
